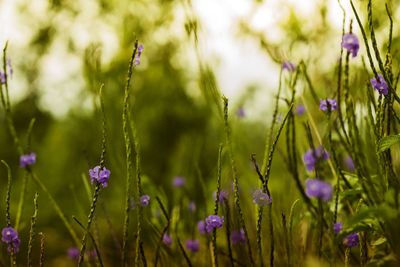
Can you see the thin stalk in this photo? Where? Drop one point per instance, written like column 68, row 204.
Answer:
column 214, row 235
column 89, row 223
column 286, row 238
column 32, row 233
column 41, row 257
column 235, row 178
column 128, row 149
column 96, row 248
column 8, row 194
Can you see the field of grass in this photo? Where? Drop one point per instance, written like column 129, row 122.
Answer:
column 152, row 167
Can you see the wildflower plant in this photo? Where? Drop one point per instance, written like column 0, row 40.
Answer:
column 338, row 203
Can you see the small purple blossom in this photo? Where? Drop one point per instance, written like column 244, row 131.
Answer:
column 213, row 222
column 2, row 78
column 73, row 253
column 240, row 112
column 380, row 85
column 201, row 226
column 144, row 200
column 319, row 189
column 178, row 181
column 138, row 55
column 352, row 240
column 348, row 162
column 351, row 44
column 167, row 240
column 193, row 245
column 223, row 195
column 311, row 157
column 337, row 227
column 238, row 237
column 300, row 110
column 10, row 68
column 260, row 198
column 99, row 175
column 192, row 206
column 289, row 66
column 27, row 160
column 328, row 104
column 10, row 237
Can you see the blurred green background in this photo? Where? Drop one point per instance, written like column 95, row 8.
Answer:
column 61, row 51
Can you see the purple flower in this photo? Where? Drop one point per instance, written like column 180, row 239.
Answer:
column 351, row 44
column 139, row 53
column 73, row 253
column 240, row 113
column 167, row 240
column 331, row 103
column 10, row 237
column 144, row 200
column 201, row 226
column 337, row 227
column 319, row 189
column 238, row 237
column 311, row 157
column 213, row 222
column 193, row 245
column 178, row 181
column 289, row 66
column 380, row 85
column 99, row 175
column 192, row 206
column 261, row 198
column 27, row 160
column 351, row 240
column 140, row 49
column 10, row 68
column 223, row 195
column 300, row 110
column 2, row 78
column 348, row 161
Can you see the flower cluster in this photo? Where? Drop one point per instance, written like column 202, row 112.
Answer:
column 289, row 66
column 3, row 77
column 337, row 227
column 380, row 85
column 167, row 240
column 178, row 181
column 260, row 198
column 312, row 156
column 319, row 189
column 139, row 53
column 223, row 195
column 10, row 237
column 349, row 163
column 27, row 160
column 144, row 200
column 351, row 44
column 213, row 222
column 238, row 237
column 352, row 240
column 73, row 253
column 192, row 206
column 193, row 245
column 328, row 104
column 300, row 110
column 100, row 175
column 201, row 226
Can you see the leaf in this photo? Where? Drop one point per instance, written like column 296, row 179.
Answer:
column 388, row 141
